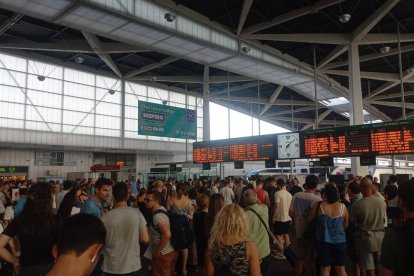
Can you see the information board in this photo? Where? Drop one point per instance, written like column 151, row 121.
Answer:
column 372, row 139
column 254, row 148
column 166, row 121
column 49, row 158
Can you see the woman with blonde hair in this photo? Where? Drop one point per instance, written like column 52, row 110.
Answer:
column 229, row 250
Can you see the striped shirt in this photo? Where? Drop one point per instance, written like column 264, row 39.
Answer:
column 155, row 236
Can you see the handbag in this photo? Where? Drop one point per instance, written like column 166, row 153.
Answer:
column 310, row 231
column 272, row 238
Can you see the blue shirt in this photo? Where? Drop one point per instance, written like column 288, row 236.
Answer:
column 19, row 206
column 331, row 229
column 134, row 188
column 90, row 206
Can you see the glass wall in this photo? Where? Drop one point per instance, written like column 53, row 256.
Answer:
column 73, row 101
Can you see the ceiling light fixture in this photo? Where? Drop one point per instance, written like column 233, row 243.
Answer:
column 79, row 59
column 245, row 49
column 169, row 17
column 41, row 78
column 344, row 18
column 111, row 91
column 385, row 49
column 164, row 102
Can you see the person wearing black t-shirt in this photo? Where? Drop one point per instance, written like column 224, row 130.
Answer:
column 398, row 246
column 36, row 229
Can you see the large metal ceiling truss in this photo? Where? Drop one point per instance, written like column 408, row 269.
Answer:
column 145, row 73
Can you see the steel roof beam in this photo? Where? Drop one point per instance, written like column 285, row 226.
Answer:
column 339, row 50
column 272, row 99
column 404, row 49
column 291, row 15
column 387, row 85
column 394, row 95
column 393, row 77
column 193, row 79
column 363, row 29
column 8, row 23
column 289, row 111
column 78, row 47
column 151, row 66
column 322, row 38
column 386, row 38
column 320, row 119
column 96, row 44
column 237, row 88
column 394, row 104
column 254, row 100
column 243, row 14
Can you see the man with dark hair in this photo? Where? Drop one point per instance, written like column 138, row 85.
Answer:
column 391, row 197
column 80, row 239
column 126, row 228
column 93, row 205
column 227, row 193
column 164, row 257
column 67, row 186
column 354, row 193
column 368, row 216
column 299, row 210
column 398, row 246
column 295, row 187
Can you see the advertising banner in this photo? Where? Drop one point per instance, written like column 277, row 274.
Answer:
column 166, row 121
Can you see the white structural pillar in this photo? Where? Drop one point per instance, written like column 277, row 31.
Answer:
column 356, row 112
column 206, row 104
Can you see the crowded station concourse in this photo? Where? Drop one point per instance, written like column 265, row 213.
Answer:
column 220, row 137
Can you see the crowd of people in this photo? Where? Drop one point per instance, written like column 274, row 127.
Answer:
column 217, row 227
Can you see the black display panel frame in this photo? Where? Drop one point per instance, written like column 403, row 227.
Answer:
column 368, row 139
column 218, row 151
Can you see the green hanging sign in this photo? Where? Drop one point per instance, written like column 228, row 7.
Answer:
column 166, row 121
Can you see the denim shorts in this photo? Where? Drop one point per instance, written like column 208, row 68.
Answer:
column 329, row 254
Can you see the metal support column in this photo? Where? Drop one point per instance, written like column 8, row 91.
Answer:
column 123, row 112
column 258, row 105
column 355, row 91
column 206, row 105
column 228, row 104
column 393, row 165
column 316, row 125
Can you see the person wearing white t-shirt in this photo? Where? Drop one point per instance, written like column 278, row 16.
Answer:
column 8, row 215
column 227, row 193
column 281, row 219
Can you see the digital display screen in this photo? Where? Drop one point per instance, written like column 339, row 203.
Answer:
column 359, row 140
column 254, row 148
column 375, row 139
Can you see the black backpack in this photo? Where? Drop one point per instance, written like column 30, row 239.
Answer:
column 181, row 235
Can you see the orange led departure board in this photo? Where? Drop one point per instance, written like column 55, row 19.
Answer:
column 360, row 140
column 253, row 148
column 373, row 139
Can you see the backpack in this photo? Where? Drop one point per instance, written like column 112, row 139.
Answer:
column 181, row 234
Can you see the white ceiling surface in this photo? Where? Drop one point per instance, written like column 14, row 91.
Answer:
column 137, row 25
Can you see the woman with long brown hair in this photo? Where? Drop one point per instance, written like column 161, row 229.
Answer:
column 215, row 204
